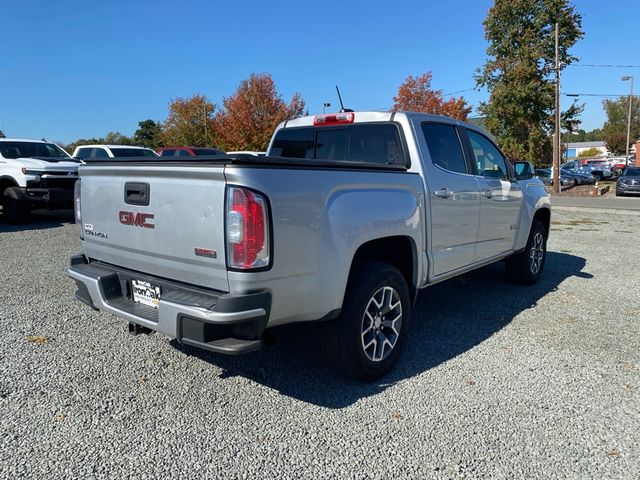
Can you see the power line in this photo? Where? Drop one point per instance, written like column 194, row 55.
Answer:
column 458, row 91
column 598, row 95
column 601, row 65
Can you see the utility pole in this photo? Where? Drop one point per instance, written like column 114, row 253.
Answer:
column 556, row 133
column 626, row 156
column 204, row 111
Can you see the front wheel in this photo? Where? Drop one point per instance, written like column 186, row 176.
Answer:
column 15, row 211
column 526, row 267
column 365, row 341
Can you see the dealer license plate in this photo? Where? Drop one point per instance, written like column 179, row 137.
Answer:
column 145, row 293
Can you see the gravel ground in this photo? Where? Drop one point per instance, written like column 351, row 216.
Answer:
column 499, row 381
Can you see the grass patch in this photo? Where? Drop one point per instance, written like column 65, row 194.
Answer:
column 38, row 339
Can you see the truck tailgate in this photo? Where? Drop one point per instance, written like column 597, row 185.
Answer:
column 178, row 234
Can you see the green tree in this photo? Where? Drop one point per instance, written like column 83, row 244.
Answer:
column 148, row 134
column 190, row 122
column 117, row 138
column 583, row 136
column 590, row 152
column 519, row 72
column 615, row 127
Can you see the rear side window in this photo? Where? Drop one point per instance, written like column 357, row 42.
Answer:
column 366, row 143
column 132, row 152
column 444, row 146
column 99, row 153
column 83, row 152
column 167, row 153
column 184, row 153
column 294, row 143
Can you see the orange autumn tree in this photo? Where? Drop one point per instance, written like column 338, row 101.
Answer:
column 416, row 95
column 252, row 113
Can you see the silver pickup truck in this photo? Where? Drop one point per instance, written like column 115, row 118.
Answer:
column 344, row 221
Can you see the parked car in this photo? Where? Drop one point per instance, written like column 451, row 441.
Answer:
column 544, row 174
column 580, row 178
column 597, row 168
column 190, row 152
column 628, row 182
column 34, row 174
column 345, row 220
column 84, row 152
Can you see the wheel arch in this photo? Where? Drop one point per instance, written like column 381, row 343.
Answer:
column 6, row 182
column 399, row 251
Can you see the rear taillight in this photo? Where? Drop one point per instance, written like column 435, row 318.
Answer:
column 247, row 229
column 76, row 202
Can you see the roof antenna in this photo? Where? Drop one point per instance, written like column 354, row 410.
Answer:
column 342, row 109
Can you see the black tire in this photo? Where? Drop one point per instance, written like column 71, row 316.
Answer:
column 527, row 266
column 14, row 211
column 345, row 340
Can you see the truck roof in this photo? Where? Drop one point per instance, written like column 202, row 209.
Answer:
column 23, row 140
column 374, row 116
column 100, row 145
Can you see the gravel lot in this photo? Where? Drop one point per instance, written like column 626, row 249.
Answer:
column 499, row 381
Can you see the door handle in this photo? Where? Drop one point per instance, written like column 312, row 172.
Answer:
column 443, row 193
column 487, row 194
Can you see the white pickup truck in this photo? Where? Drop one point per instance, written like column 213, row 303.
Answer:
column 347, row 217
column 34, row 174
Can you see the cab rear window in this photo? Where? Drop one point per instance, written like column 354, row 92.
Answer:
column 365, row 143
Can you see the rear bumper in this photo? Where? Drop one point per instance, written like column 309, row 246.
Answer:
column 215, row 321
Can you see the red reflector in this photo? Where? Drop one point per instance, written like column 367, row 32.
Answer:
column 245, row 253
column 334, row 119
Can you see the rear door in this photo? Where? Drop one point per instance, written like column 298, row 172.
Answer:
column 157, row 219
column 501, row 199
column 454, row 197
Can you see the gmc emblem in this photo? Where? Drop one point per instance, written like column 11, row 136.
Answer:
column 136, row 219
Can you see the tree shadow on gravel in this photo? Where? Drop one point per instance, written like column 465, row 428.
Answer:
column 39, row 221
column 448, row 319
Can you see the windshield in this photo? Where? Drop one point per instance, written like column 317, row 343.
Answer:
column 132, row 152
column 44, row 151
column 632, row 172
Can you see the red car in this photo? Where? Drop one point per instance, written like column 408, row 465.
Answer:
column 190, row 152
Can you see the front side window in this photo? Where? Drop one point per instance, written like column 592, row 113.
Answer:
column 167, row 153
column 184, row 153
column 444, row 146
column 489, row 160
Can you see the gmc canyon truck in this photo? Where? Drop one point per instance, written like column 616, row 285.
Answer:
column 34, row 174
column 344, row 221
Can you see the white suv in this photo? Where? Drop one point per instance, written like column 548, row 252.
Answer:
column 34, row 174
column 96, row 152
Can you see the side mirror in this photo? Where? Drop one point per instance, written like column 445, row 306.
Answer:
column 524, row 170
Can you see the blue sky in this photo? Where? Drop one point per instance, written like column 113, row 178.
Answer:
column 73, row 69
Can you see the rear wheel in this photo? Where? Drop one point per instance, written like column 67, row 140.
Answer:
column 366, row 340
column 14, row 210
column 526, row 267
